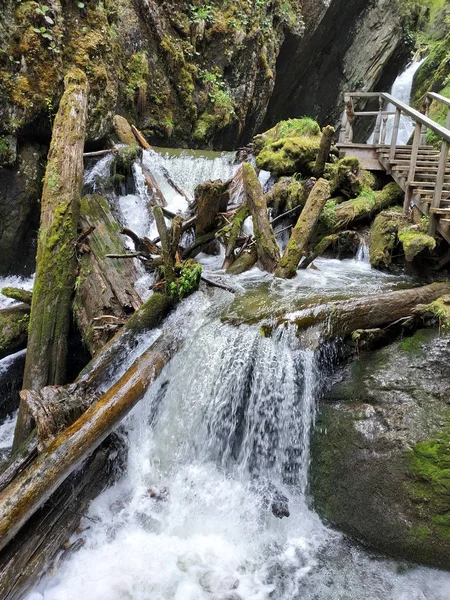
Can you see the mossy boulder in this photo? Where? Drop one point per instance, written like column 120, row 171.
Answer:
column 415, row 241
column 381, row 450
column 383, row 237
column 289, row 147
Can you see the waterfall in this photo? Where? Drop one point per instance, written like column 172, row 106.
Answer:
column 401, row 90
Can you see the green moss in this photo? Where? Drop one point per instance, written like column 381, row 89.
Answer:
column 383, row 237
column 13, row 330
column 151, row 313
column 304, row 127
column 17, row 294
column 289, row 155
column 439, row 310
column 138, row 72
column 415, row 343
column 415, row 241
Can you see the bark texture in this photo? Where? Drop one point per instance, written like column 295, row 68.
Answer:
column 303, row 230
column 324, row 150
column 266, row 245
column 56, row 260
column 105, row 294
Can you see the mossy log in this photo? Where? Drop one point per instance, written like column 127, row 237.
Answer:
column 266, row 245
column 14, row 323
column 303, row 230
column 154, row 192
column 34, row 486
column 23, row 296
column 340, row 319
column 209, row 201
column 105, row 291
column 231, row 232
column 324, row 150
column 286, row 195
column 44, row 541
column 170, row 238
column 56, row 258
column 324, row 244
column 364, row 207
column 244, row 262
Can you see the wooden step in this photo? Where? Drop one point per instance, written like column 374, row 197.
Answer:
column 440, row 211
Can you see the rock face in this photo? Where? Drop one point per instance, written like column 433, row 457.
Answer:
column 381, row 450
column 20, row 192
column 356, row 45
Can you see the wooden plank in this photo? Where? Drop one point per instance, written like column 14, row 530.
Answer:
column 443, row 163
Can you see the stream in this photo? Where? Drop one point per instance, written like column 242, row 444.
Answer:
column 220, row 437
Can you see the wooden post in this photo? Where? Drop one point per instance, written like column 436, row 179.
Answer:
column 427, row 104
column 377, row 130
column 56, row 259
column 412, row 167
column 443, row 160
column 395, row 128
column 383, row 129
column 342, row 132
column 350, row 116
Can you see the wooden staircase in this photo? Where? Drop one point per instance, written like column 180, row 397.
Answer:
column 422, row 171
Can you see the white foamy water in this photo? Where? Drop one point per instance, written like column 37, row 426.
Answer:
column 25, row 283
column 223, row 431
column 401, row 90
column 219, row 438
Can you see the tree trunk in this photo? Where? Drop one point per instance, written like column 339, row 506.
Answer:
column 56, row 260
column 266, row 245
column 231, row 233
column 324, row 150
column 209, row 202
column 339, row 319
column 105, row 294
column 303, row 230
column 32, row 487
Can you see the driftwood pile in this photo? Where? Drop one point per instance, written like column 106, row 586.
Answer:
column 61, row 455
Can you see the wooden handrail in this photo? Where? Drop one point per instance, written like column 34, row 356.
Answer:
column 418, row 117
column 439, row 98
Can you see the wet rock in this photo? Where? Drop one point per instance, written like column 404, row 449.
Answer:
column 381, row 450
column 20, row 192
column 11, row 375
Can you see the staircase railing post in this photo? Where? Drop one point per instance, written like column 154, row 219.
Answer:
column 383, row 129
column 377, row 130
column 412, row 167
column 427, row 104
column 395, row 128
column 436, row 202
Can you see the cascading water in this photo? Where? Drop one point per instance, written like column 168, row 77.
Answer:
column 219, row 446
column 401, row 90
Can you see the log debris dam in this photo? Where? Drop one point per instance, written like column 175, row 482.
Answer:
column 225, row 300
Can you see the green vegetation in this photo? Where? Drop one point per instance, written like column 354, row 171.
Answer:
column 187, row 281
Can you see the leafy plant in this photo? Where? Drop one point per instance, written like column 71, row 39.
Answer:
column 43, row 10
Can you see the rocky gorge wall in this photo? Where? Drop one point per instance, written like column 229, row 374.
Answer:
column 188, row 74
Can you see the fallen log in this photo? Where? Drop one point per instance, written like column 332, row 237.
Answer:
column 140, row 138
column 303, row 230
column 340, row 319
column 32, row 487
column 244, row 262
column 154, row 192
column 266, row 245
column 23, row 296
column 56, row 260
column 324, row 244
column 231, row 232
column 324, row 150
column 105, row 287
column 44, row 540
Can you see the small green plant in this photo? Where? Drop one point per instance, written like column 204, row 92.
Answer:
column 43, row 10
column 188, row 281
column 202, row 13
column 44, row 32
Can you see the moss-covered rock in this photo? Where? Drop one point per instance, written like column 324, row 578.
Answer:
column 304, row 127
column 415, row 241
column 286, row 194
column 381, row 451
column 289, row 155
column 348, row 179
column 13, row 329
column 383, row 237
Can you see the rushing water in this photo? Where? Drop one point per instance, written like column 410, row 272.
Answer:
column 219, row 440
column 401, row 90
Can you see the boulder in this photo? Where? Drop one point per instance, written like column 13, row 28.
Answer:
column 381, row 450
